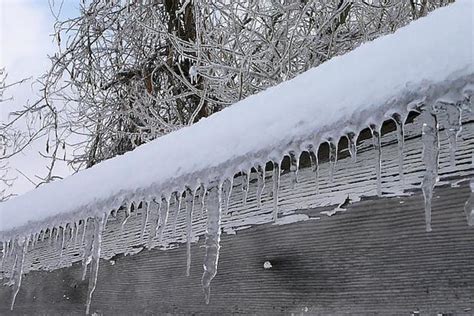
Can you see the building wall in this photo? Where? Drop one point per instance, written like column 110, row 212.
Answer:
column 373, row 258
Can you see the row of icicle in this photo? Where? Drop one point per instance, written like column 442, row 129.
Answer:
column 216, row 198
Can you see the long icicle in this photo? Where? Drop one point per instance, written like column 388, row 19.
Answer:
column 378, row 156
column 276, row 187
column 189, row 200
column 430, row 141
column 212, row 243
column 88, row 239
column 400, row 123
column 17, row 275
column 95, row 255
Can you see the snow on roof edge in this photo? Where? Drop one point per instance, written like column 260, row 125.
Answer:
column 422, row 59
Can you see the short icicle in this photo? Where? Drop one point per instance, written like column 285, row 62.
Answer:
column 95, row 258
column 144, row 220
column 178, row 197
column 260, row 184
column 4, row 252
column 294, row 166
column 276, row 187
column 227, row 192
column 63, row 241
column 245, row 185
column 164, row 213
column 212, row 243
column 453, row 128
column 313, row 156
column 430, row 141
column 400, row 123
column 17, row 272
column 469, row 206
column 203, row 189
column 76, row 233
column 189, row 200
column 153, row 211
column 375, row 129
column 352, row 145
column 128, row 214
column 332, row 158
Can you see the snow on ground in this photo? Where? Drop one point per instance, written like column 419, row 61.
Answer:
column 349, row 91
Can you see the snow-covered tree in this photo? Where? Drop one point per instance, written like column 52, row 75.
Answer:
column 127, row 72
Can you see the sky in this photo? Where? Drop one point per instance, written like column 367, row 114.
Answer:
column 25, row 43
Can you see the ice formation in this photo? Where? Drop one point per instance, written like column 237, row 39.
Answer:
column 430, row 141
column 469, row 206
column 276, row 186
column 189, row 200
column 213, row 236
column 322, row 115
column 378, row 156
column 400, row 122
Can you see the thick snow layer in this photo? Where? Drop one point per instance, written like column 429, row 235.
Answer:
column 347, row 91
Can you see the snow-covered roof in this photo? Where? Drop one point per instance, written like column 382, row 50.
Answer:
column 346, row 93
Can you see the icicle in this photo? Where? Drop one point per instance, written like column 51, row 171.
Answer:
column 313, row 156
column 77, row 224
column 260, row 184
column 352, row 145
column 453, row 127
column 178, row 197
column 227, row 191
column 34, row 238
column 245, row 185
column 294, row 165
column 71, row 236
column 212, row 243
column 154, row 218
column 17, row 272
column 164, row 211
column 4, row 254
column 332, row 158
column 63, row 240
column 430, row 141
column 144, row 221
column 189, row 200
column 88, row 240
column 84, row 231
column 399, row 122
column 378, row 156
column 276, row 187
column 203, row 189
column 54, row 236
column 128, row 213
column 95, row 258
column 469, row 206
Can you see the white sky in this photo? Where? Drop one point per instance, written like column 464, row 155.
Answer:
column 25, row 42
